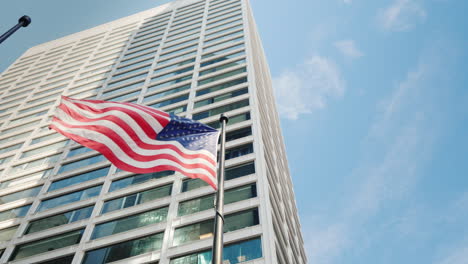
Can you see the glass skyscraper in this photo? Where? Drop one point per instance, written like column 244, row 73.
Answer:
column 62, row 203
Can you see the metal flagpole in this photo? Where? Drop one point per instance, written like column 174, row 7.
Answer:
column 219, row 219
column 24, row 21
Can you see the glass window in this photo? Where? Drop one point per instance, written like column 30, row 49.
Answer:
column 36, row 107
column 30, row 177
column 69, row 198
column 14, row 213
column 20, row 195
column 182, row 38
column 120, row 82
column 125, row 88
column 221, row 76
column 232, row 120
column 221, row 97
column 7, row 233
column 35, row 163
column 45, row 138
column 173, row 66
column 133, row 71
column 81, row 163
column 223, row 58
column 125, row 96
column 78, row 151
column 239, row 151
column 137, row 179
column 54, row 146
column 141, row 57
column 59, row 220
column 207, row 202
column 5, row 160
column 221, row 109
column 10, row 148
column 61, row 260
column 177, row 51
column 83, row 177
column 170, row 101
column 137, row 198
column 221, row 51
column 47, row 244
column 239, row 171
column 126, row 67
column 204, row 229
column 232, row 254
column 176, row 58
column 192, row 184
column 129, row 223
column 143, row 51
column 172, row 74
column 222, row 67
column 169, row 83
column 124, row 250
column 239, row 133
column 25, row 118
column 176, row 110
column 231, row 35
column 16, row 128
column 165, row 93
column 15, row 137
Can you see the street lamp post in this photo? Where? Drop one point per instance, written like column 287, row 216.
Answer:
column 24, row 21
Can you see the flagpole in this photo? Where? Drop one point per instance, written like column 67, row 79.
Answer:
column 219, row 205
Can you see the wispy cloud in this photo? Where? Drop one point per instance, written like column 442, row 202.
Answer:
column 308, row 87
column 398, row 146
column 401, row 15
column 348, row 48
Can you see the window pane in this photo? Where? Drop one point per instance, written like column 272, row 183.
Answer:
column 239, row 151
column 69, row 198
column 137, row 179
column 221, row 97
column 124, row 250
column 47, row 244
column 7, row 233
column 14, row 213
column 130, row 222
column 20, row 195
column 233, row 254
column 58, row 220
column 62, row 260
column 87, row 176
column 221, row 76
column 81, row 163
column 137, row 198
column 222, row 86
column 221, row 109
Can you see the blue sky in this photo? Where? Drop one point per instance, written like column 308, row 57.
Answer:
column 374, row 106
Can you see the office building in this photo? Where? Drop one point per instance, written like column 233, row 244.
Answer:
column 62, row 203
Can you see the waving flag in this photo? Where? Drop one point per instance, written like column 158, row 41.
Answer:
column 140, row 139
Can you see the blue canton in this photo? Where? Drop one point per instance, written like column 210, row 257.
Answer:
column 191, row 134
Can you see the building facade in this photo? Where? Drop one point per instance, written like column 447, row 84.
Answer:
column 62, row 203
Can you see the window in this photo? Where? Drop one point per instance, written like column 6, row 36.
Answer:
column 232, row 120
column 16, row 128
column 239, row 171
column 129, row 223
column 124, row 250
column 192, row 184
column 170, row 101
column 239, row 151
column 221, row 109
column 47, row 244
column 176, row 58
column 176, row 110
column 126, row 67
column 7, row 233
column 54, row 146
column 15, row 137
column 221, row 76
column 177, row 51
column 120, row 82
column 204, row 229
column 220, row 98
column 125, row 88
column 83, row 177
column 78, row 151
column 10, row 148
column 14, row 213
column 61, row 260
column 232, row 254
column 230, row 35
column 207, row 202
column 171, row 74
column 29, row 177
column 35, row 163
column 223, row 58
column 69, row 198
column 137, row 179
column 165, row 93
column 59, row 220
column 81, row 163
column 137, row 198
column 222, row 67
column 169, row 83
column 20, row 195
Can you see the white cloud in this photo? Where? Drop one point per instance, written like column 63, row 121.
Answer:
column 308, row 87
column 348, row 48
column 401, row 15
column 457, row 256
column 347, row 1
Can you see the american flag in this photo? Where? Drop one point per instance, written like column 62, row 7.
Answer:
column 140, row 139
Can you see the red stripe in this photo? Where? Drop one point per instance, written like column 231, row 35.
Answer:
column 161, row 116
column 127, row 149
column 107, row 152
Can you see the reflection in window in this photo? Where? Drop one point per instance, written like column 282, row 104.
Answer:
column 221, row 109
column 7, row 233
column 20, row 195
column 124, row 250
column 47, row 244
column 129, row 223
column 137, row 198
column 69, row 198
column 222, row 86
column 207, row 202
column 14, row 213
column 233, row 254
column 81, row 163
column 58, row 220
column 83, row 177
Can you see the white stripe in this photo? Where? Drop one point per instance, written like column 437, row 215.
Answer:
column 129, row 121
column 121, row 155
column 149, row 118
